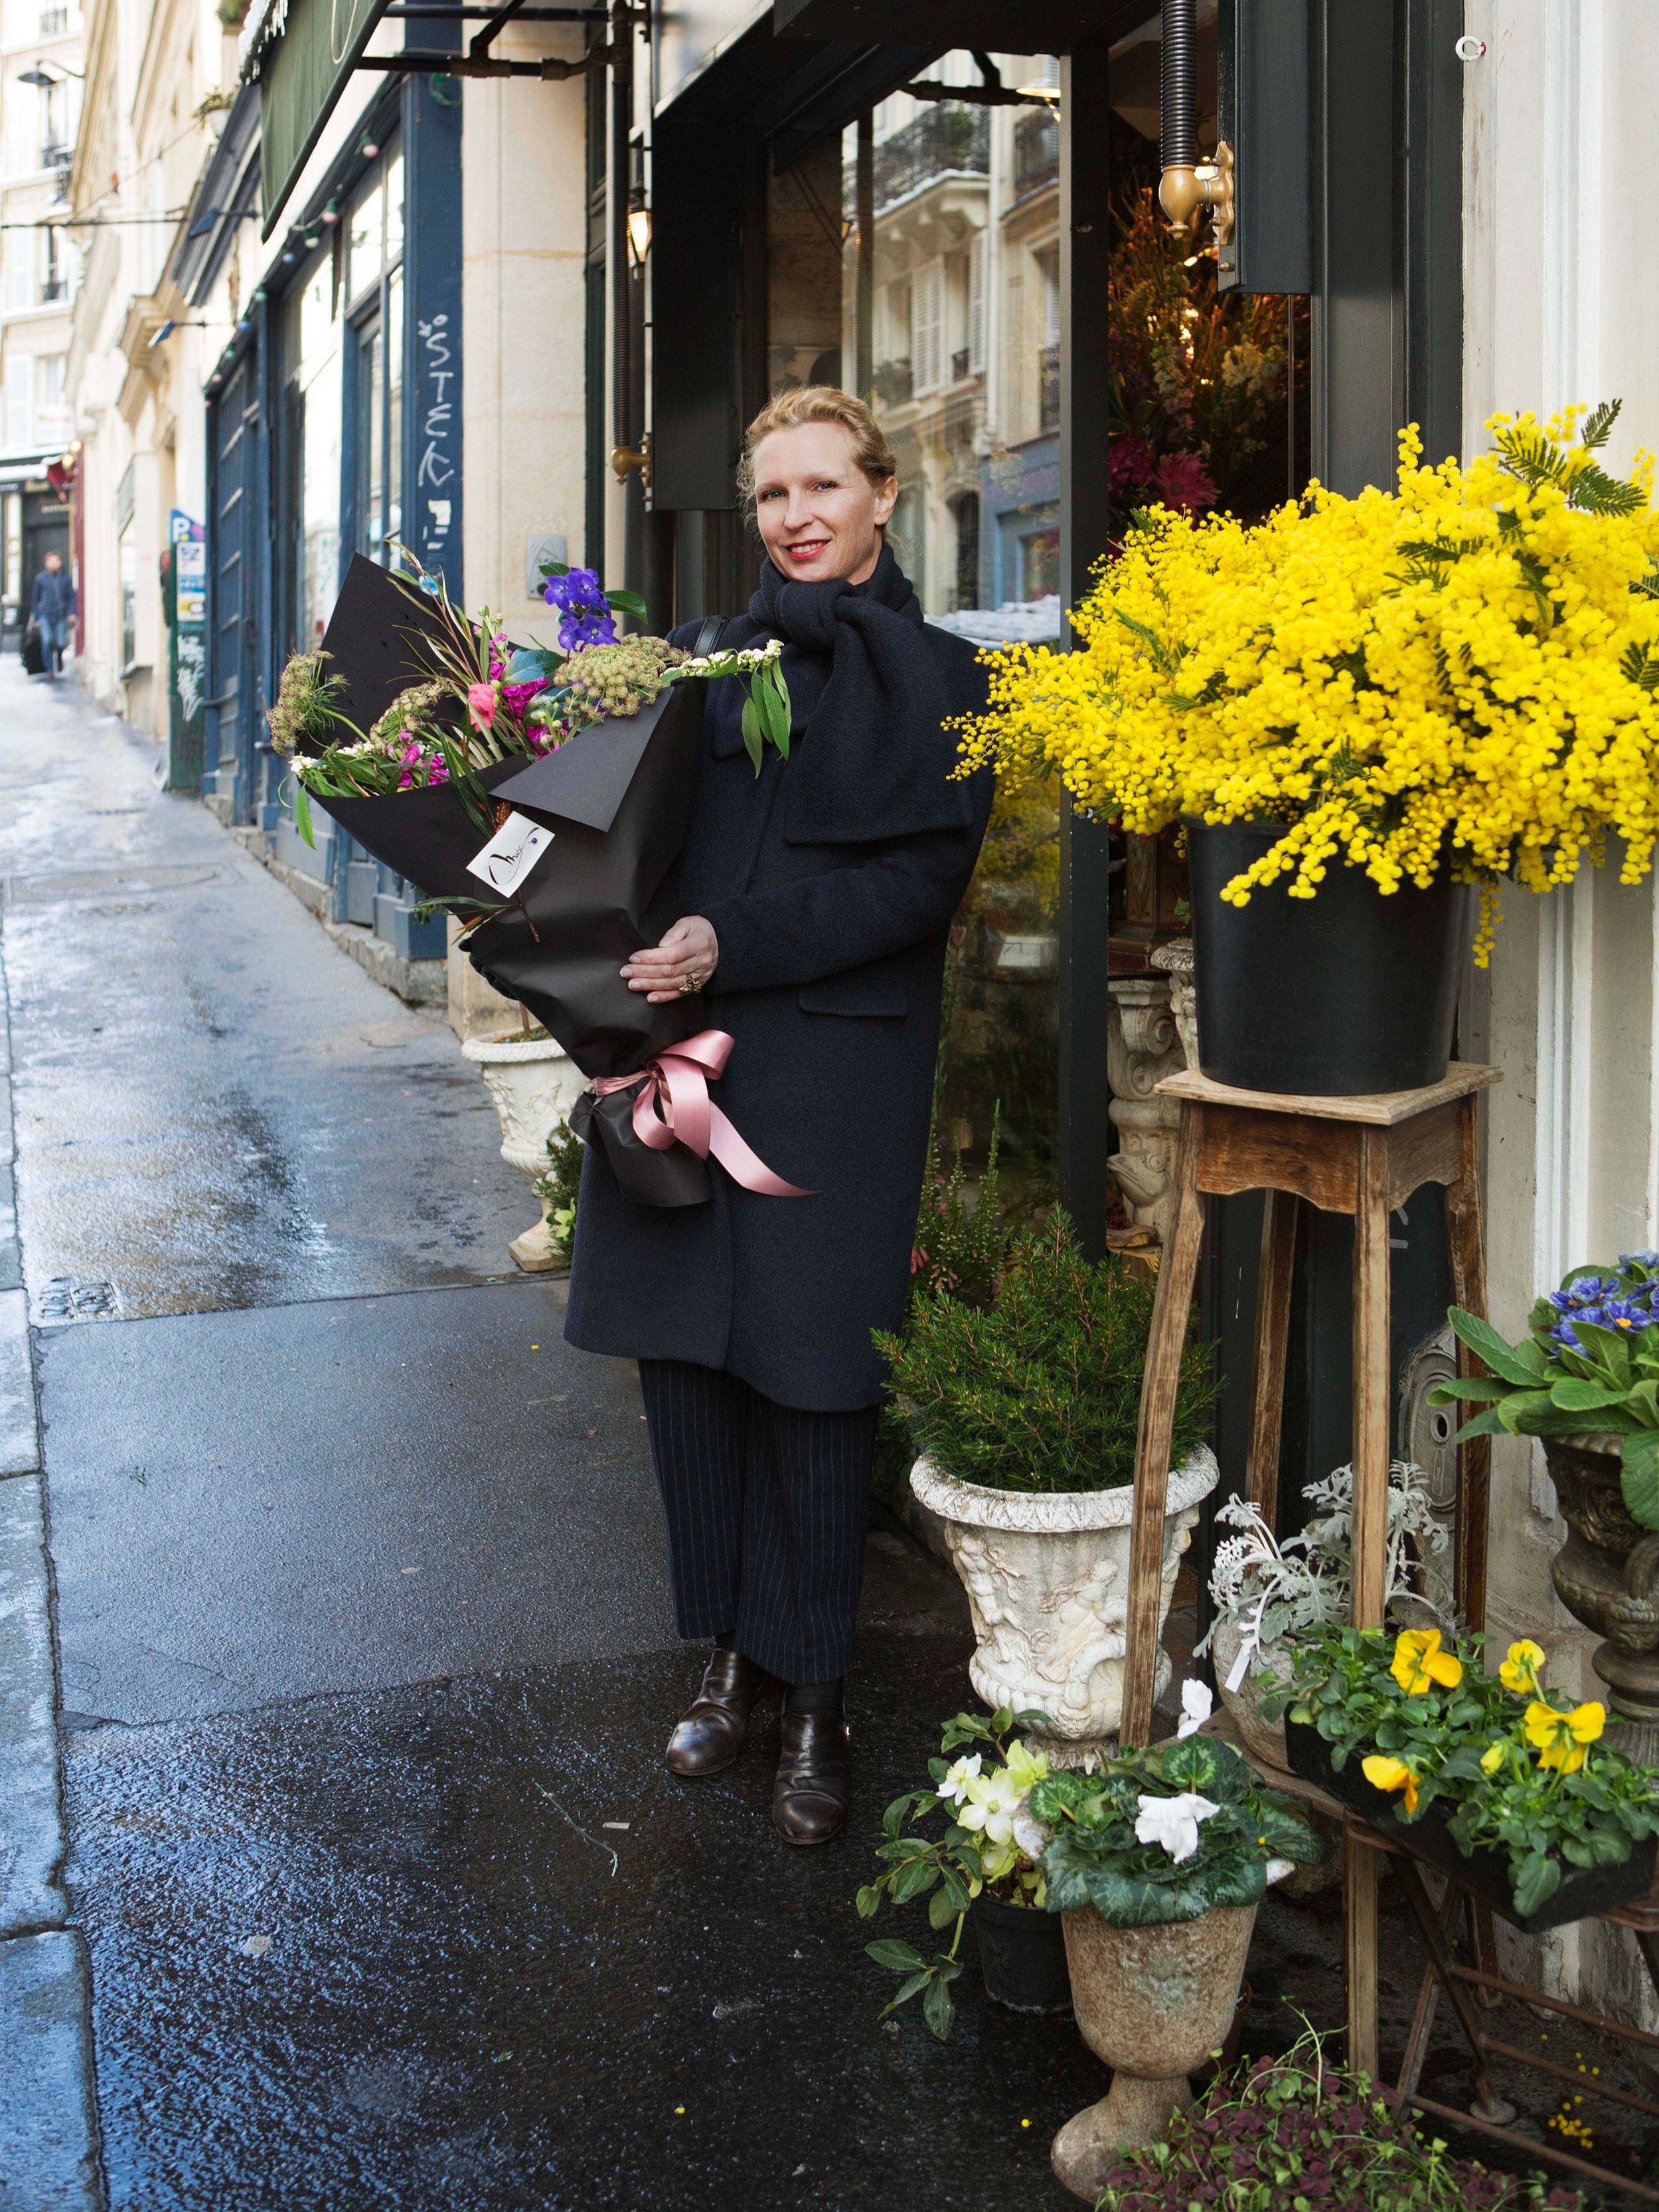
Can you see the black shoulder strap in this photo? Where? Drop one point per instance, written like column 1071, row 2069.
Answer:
column 709, row 637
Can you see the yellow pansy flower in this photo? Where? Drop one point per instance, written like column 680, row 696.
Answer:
column 1391, row 1774
column 1520, row 1669
column 1560, row 1738
column 1491, row 1758
column 1419, row 1662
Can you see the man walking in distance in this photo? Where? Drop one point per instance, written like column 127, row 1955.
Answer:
column 52, row 610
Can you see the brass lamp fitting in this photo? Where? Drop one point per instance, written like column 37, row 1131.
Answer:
column 625, row 458
column 1184, row 192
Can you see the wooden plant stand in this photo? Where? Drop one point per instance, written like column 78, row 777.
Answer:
column 1362, row 1157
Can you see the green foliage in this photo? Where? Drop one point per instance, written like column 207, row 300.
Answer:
column 952, row 1867
column 1291, row 2132
column 1040, row 1391
column 1543, row 1817
column 1094, row 1857
column 558, row 1188
column 1588, row 1364
column 961, row 1251
column 1538, row 459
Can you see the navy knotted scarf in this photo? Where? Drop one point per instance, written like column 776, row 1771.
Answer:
column 872, row 687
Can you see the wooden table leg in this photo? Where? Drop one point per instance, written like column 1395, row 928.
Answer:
column 1463, row 1218
column 1372, row 1376
column 1171, row 1310
column 1278, row 1252
column 1360, row 1923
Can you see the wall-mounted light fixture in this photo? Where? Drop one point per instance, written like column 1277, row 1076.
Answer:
column 639, row 228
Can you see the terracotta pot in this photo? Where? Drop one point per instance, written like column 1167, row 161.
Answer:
column 1263, row 1740
column 1606, row 1575
column 1153, row 2003
column 1048, row 1583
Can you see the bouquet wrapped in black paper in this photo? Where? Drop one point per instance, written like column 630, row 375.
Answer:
column 543, row 797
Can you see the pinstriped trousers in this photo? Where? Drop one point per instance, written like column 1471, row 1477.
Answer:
column 767, row 1507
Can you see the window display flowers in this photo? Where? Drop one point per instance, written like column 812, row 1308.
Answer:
column 1459, row 674
column 1419, row 1662
column 1588, row 1365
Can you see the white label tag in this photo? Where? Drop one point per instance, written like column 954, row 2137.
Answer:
column 510, row 854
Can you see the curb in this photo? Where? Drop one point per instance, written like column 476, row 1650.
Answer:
column 48, row 2125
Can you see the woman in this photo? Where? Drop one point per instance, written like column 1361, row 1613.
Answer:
column 816, row 898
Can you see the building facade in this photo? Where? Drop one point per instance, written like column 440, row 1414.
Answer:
column 40, row 63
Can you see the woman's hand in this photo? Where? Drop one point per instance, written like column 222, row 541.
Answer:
column 691, row 949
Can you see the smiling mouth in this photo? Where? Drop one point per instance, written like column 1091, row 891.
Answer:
column 809, row 549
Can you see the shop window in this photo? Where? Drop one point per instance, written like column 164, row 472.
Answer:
column 927, row 326
column 53, row 421
column 128, row 570
column 312, row 434
column 1039, row 564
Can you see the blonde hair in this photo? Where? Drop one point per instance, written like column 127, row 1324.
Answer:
column 819, row 403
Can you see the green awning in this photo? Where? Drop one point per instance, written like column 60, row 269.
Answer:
column 303, row 70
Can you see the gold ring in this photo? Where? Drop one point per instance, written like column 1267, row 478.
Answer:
column 688, row 983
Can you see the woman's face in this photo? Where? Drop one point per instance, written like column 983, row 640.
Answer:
column 821, row 517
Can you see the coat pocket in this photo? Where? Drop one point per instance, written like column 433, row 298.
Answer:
column 867, row 996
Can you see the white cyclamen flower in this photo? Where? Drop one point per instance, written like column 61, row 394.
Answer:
column 1195, row 1706
column 993, row 1802
column 1173, row 1823
column 953, row 1788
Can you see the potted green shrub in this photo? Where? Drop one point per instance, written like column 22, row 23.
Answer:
column 1024, row 1414
column 1585, row 1379
column 971, row 1867
column 1481, row 1775
column 1295, row 2129
column 1157, row 1866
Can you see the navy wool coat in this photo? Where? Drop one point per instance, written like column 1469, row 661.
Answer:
column 833, row 938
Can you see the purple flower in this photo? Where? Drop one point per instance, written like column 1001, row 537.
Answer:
column 1625, row 1314
column 586, row 614
column 1589, row 1291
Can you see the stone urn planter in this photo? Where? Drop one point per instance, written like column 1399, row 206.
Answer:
column 1261, row 1739
column 1047, row 1583
column 1153, row 2003
column 534, row 1083
column 1606, row 1575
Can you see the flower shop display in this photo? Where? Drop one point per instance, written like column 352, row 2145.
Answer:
column 972, row 1870
column 1157, row 1866
column 544, row 796
column 1295, row 2129
column 1483, row 1775
column 1585, row 1379
column 1024, row 1414
column 533, row 1084
column 1262, row 1590
column 1365, row 709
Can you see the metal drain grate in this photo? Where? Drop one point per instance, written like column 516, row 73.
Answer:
column 65, row 1299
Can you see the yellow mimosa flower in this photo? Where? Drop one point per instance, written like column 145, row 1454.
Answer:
column 1519, row 1672
column 1391, row 1774
column 1419, row 1662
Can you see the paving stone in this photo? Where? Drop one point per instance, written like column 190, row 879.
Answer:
column 31, row 1831
column 20, row 1442
column 47, row 2145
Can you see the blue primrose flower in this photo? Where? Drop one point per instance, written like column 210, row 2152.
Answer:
column 1589, row 1291
column 1622, row 1314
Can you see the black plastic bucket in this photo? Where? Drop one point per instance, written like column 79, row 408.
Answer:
column 1022, row 1956
column 1339, row 995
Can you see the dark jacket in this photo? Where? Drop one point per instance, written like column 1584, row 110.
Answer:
column 54, row 597
column 830, row 961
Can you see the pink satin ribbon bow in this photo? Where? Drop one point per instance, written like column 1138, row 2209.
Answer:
column 674, row 1107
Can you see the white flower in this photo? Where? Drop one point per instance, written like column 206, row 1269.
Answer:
column 953, row 1788
column 1173, row 1823
column 1195, row 1706
column 993, row 1802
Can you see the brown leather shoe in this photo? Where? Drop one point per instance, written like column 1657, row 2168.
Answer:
column 812, row 1796
column 711, row 1734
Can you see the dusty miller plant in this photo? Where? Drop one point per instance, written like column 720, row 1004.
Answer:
column 1268, row 1589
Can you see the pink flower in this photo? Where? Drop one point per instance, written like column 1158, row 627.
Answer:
column 1183, row 481
column 1129, row 466
column 482, row 701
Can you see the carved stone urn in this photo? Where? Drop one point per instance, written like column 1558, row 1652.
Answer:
column 1048, row 1583
column 534, row 1083
column 1606, row 1575
column 1153, row 2003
